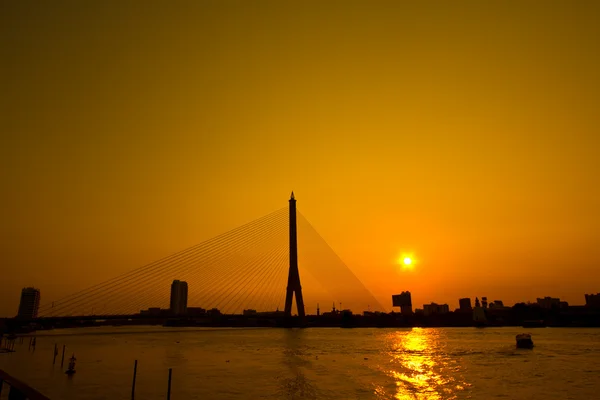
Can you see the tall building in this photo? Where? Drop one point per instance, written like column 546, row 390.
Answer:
column 592, row 300
column 404, row 301
column 30, row 303
column 179, row 297
column 465, row 304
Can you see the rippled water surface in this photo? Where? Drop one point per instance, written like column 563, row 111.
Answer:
column 313, row 363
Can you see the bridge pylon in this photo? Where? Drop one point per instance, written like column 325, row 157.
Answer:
column 293, row 285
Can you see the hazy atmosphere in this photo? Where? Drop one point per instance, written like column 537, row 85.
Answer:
column 465, row 135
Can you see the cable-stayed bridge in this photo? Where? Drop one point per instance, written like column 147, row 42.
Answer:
column 257, row 266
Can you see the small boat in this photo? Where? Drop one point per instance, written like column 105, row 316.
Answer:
column 524, row 341
column 71, row 369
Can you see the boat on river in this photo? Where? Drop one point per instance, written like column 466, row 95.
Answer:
column 524, row 341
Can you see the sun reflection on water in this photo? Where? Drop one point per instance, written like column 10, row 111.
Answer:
column 421, row 370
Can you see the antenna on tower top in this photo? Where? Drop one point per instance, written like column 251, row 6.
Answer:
column 292, row 198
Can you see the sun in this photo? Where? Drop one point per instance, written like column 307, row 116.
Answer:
column 407, row 261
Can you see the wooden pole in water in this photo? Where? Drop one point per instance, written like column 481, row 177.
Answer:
column 62, row 360
column 133, row 383
column 169, row 388
column 55, row 353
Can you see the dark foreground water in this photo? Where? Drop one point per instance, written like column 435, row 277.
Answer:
column 314, row 364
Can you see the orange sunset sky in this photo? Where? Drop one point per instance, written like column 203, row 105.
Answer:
column 466, row 133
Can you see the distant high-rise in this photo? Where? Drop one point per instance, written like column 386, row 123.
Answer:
column 592, row 300
column 179, row 296
column 30, row 303
column 465, row 304
column 404, row 301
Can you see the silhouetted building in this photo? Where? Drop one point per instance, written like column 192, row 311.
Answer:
column 318, row 310
column 196, row 311
column 30, row 303
column 496, row 304
column 271, row 314
column 404, row 301
column 153, row 311
column 592, row 300
column 213, row 312
column 434, row 308
column 548, row 302
column 465, row 304
column 332, row 313
column 563, row 305
column 156, row 312
column 484, row 303
column 477, row 304
column 248, row 313
column 479, row 314
column 179, row 296
column 373, row 313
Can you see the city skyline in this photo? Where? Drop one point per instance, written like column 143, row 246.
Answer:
column 465, row 135
column 178, row 303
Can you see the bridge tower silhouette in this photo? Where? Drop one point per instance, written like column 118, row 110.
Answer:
column 239, row 272
column 293, row 284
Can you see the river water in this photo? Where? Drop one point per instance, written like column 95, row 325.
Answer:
column 440, row 363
